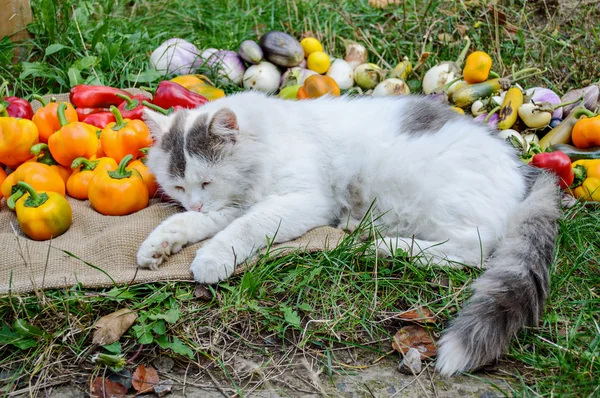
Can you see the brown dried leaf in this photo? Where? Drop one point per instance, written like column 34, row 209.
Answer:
column 462, row 29
column 383, row 3
column 104, row 388
column 144, row 379
column 424, row 57
column 111, row 327
column 419, row 315
column 201, row 292
column 414, row 336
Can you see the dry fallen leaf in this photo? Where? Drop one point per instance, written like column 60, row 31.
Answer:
column 419, row 315
column 462, row 29
column 383, row 3
column 201, row 292
column 111, row 327
column 105, row 388
column 417, row 337
column 144, row 379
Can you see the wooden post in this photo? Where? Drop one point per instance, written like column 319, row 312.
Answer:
column 14, row 17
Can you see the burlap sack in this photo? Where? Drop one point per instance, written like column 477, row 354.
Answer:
column 99, row 251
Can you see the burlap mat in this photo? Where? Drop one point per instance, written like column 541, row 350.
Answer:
column 100, row 251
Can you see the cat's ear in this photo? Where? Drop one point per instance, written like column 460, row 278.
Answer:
column 224, row 123
column 157, row 123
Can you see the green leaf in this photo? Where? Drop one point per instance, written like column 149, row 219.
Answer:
column 143, row 333
column 159, row 327
column 163, row 341
column 24, row 344
column 24, row 329
column 85, row 62
column 7, row 48
column 291, row 316
column 170, row 316
column 8, row 336
column 99, row 35
column 114, row 348
column 179, row 348
column 54, row 48
column 37, row 69
column 305, row 307
column 147, row 76
column 74, row 76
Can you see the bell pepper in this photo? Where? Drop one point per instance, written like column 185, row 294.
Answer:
column 2, row 176
column 147, row 176
column 89, row 96
column 41, row 215
column 132, row 108
column 170, row 94
column 41, row 154
column 78, row 183
column 586, row 185
column 46, row 117
column 200, row 84
column 124, row 137
column 17, row 107
column 73, row 140
column 100, row 120
column 118, row 192
column 586, row 132
column 38, row 175
column 558, row 163
column 17, row 136
column 82, row 113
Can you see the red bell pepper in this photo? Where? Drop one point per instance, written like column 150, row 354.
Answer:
column 558, row 163
column 170, row 94
column 132, row 108
column 87, row 96
column 17, row 107
column 100, row 119
column 82, row 113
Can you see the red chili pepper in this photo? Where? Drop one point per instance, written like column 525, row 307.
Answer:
column 82, row 113
column 132, row 108
column 558, row 163
column 170, row 94
column 18, row 107
column 99, row 120
column 87, row 96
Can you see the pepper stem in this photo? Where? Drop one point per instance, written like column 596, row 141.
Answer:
column 525, row 73
column 35, row 199
column 131, row 103
column 120, row 123
column 85, row 164
column 463, row 53
column 489, row 115
column 144, row 151
column 46, row 158
column 158, row 109
column 583, row 111
column 41, row 99
column 566, row 103
column 493, row 74
column 3, row 111
column 580, row 175
column 121, row 172
column 62, row 119
column 11, row 202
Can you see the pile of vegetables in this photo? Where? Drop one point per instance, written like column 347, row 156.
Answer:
column 93, row 146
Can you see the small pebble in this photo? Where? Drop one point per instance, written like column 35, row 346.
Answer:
column 163, row 388
column 411, row 363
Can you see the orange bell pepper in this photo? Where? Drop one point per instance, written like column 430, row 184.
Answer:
column 147, row 176
column 318, row 85
column 85, row 169
column 118, row 192
column 2, row 175
column 41, row 154
column 46, row 118
column 16, row 138
column 124, row 137
column 40, row 176
column 586, row 132
column 73, row 140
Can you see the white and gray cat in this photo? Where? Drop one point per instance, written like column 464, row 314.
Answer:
column 445, row 189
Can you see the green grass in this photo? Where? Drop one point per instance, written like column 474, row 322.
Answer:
column 347, row 296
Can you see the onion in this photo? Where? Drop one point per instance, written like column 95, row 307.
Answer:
column 262, row 77
column 342, row 73
column 228, row 64
column 492, row 121
column 590, row 96
column 176, row 57
column 478, row 108
column 518, row 141
column 294, row 76
column 390, row 87
column 439, row 75
column 367, row 76
column 356, row 54
column 542, row 94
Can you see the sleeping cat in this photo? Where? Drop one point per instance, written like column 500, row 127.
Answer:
column 250, row 167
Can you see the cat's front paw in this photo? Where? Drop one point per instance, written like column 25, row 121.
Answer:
column 212, row 267
column 160, row 244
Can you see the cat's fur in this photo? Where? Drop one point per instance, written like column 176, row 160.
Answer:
column 248, row 167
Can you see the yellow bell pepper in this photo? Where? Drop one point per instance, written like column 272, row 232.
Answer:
column 586, row 185
column 42, row 216
column 200, row 84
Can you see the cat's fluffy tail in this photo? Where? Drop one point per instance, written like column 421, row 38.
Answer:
column 512, row 292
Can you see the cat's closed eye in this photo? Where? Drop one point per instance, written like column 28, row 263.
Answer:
column 205, row 184
column 180, row 188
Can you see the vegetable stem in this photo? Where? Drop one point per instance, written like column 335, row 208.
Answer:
column 131, row 103
column 120, row 123
column 121, row 172
column 85, row 164
column 489, row 115
column 463, row 54
column 158, row 109
column 3, row 111
column 35, row 199
column 577, row 114
column 12, row 199
column 580, row 175
column 46, row 158
column 62, row 119
column 41, row 99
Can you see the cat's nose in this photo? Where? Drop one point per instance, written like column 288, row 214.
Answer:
column 197, row 207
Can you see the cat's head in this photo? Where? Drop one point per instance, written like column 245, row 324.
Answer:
column 196, row 159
